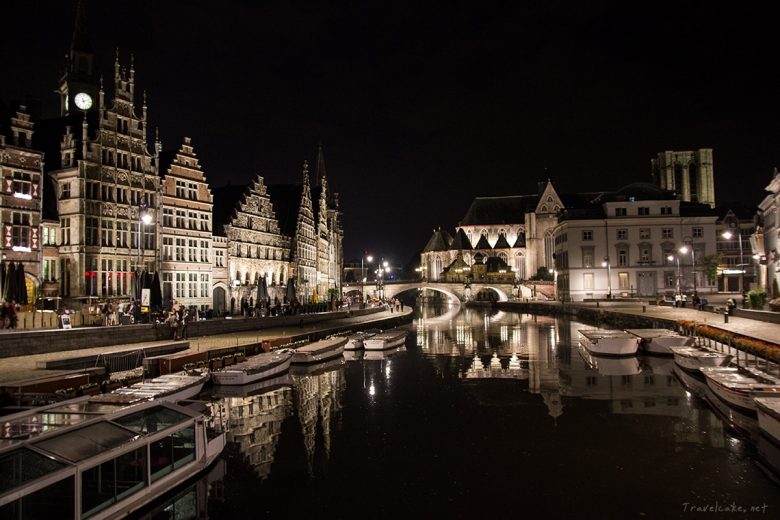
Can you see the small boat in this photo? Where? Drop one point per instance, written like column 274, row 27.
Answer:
column 168, row 387
column 658, row 341
column 695, row 357
column 738, row 386
column 609, row 342
column 768, row 409
column 149, row 448
column 255, row 368
column 355, row 341
column 320, row 350
column 388, row 339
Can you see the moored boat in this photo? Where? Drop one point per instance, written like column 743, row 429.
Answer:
column 611, row 366
column 104, row 461
column 768, row 409
column 355, row 341
column 609, row 342
column 320, row 350
column 738, row 386
column 388, row 339
column 255, row 368
column 695, row 357
column 168, row 387
column 659, row 341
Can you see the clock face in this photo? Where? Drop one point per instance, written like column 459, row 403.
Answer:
column 83, row 101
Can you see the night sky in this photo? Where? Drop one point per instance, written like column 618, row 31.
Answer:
column 421, row 108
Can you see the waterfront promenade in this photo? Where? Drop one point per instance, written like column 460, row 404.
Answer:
column 19, row 368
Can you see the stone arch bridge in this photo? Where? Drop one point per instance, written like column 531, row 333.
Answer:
column 454, row 291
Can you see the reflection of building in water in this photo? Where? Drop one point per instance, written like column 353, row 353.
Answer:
column 193, row 501
column 318, row 396
column 495, row 369
column 255, row 425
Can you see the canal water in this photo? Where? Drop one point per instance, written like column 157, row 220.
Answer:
column 483, row 413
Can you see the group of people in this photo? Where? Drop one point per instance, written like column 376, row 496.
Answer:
column 112, row 314
column 8, row 315
column 177, row 320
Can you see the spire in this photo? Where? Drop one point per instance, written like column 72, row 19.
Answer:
column 320, row 172
column 80, row 41
column 116, row 67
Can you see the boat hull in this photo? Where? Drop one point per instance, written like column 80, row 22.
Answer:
column 233, row 377
column 692, row 359
column 611, row 346
column 319, row 351
column 768, row 417
column 383, row 343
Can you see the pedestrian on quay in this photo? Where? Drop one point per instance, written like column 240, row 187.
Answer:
column 185, row 319
column 12, row 315
column 172, row 322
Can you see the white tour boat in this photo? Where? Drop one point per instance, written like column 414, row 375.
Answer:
column 768, row 409
column 388, row 339
column 609, row 342
column 80, row 459
column 695, row 357
column 254, row 368
column 320, row 350
column 659, row 341
column 168, row 387
column 738, row 386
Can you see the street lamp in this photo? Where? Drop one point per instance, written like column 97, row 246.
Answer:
column 145, row 218
column 369, row 259
column 676, row 259
column 606, row 264
column 684, row 250
column 728, row 236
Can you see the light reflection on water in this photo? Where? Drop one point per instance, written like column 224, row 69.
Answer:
column 479, row 402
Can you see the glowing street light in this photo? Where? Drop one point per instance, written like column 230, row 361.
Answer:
column 606, row 264
column 728, row 235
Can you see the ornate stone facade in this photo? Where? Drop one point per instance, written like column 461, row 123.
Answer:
column 186, row 234
column 689, row 174
column 105, row 185
column 21, row 196
column 256, row 247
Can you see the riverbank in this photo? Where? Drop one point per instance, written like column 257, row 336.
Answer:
column 22, row 367
column 631, row 314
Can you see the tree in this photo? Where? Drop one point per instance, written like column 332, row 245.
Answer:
column 543, row 274
column 710, row 265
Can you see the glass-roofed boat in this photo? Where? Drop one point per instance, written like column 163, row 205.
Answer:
column 78, row 459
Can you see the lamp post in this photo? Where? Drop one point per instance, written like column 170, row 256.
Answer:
column 728, row 235
column 684, row 250
column 606, row 264
column 676, row 259
column 369, row 259
column 145, row 218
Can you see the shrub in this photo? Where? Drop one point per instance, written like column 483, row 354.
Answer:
column 757, row 299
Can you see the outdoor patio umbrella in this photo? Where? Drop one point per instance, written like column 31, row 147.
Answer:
column 290, row 290
column 11, row 282
column 3, row 278
column 155, row 296
column 262, row 291
column 314, row 297
column 21, row 287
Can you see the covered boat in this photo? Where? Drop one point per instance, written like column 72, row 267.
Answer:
column 355, row 341
column 168, row 387
column 609, row 342
column 99, row 461
column 738, row 386
column 658, row 341
column 320, row 350
column 695, row 357
column 388, row 339
column 255, row 368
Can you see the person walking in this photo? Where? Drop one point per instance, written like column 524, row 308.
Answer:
column 185, row 319
column 12, row 315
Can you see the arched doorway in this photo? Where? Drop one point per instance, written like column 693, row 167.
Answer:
column 219, row 301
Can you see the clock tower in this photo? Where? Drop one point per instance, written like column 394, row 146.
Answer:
column 81, row 67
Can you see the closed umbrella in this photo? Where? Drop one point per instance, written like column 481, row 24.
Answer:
column 314, row 297
column 290, row 290
column 155, row 296
column 11, row 282
column 262, row 291
column 22, row 285
column 3, row 279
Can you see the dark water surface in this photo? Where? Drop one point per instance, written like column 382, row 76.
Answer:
column 484, row 414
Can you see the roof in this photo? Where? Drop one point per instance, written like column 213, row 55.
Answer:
column 501, row 243
column 483, row 243
column 520, row 242
column 499, row 210
column 461, row 241
column 439, row 241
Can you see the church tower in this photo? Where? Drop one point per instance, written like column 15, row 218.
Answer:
column 689, row 174
column 81, row 67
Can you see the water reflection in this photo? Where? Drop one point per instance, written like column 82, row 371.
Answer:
column 473, row 396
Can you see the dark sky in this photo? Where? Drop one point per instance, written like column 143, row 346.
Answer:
column 422, row 107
